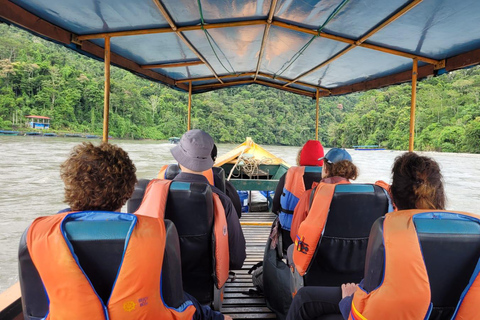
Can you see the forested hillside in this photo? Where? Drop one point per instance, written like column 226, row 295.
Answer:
column 40, row 78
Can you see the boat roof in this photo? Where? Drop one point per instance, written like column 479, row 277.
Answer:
column 309, row 47
column 249, row 150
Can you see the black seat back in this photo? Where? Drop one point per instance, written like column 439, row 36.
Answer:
column 99, row 247
column 219, row 178
column 311, row 175
column 451, row 251
column 190, row 207
column 218, row 175
column 340, row 257
column 136, row 200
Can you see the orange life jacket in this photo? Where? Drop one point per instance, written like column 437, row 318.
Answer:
column 311, row 229
column 154, row 204
column 136, row 293
column 405, row 290
column 207, row 174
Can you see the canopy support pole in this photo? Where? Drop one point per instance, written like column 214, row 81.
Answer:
column 189, row 120
column 413, row 105
column 106, row 96
column 317, row 114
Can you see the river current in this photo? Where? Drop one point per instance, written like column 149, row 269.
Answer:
column 31, row 186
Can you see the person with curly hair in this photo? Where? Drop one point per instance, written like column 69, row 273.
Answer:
column 417, row 183
column 102, row 178
column 98, row 177
column 337, row 166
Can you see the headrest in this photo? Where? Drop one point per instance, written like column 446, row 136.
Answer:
column 98, row 230
column 95, row 225
column 172, row 171
column 312, row 169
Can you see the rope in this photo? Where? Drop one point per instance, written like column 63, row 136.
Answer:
column 210, row 39
column 319, row 30
column 251, row 165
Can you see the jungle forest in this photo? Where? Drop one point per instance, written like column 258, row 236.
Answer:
column 42, row 78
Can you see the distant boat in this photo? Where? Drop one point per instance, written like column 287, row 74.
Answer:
column 174, row 140
column 73, row 135
column 33, row 133
column 50, row 134
column 9, row 133
column 251, row 167
column 368, row 148
column 91, row 136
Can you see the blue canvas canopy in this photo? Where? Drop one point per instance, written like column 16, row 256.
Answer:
column 333, row 46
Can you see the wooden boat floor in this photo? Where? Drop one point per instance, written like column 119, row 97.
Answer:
column 237, row 303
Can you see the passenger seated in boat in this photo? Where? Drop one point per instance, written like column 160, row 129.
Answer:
column 337, row 167
column 99, row 180
column 230, row 190
column 294, row 183
column 416, row 184
column 215, row 177
column 193, row 154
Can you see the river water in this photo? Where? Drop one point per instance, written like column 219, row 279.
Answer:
column 31, row 186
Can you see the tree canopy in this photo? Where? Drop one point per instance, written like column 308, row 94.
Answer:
column 41, row 78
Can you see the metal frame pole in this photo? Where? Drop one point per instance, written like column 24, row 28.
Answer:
column 189, row 120
column 413, row 105
column 317, row 114
column 106, row 97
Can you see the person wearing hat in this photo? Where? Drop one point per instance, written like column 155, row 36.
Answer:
column 337, row 166
column 288, row 191
column 194, row 155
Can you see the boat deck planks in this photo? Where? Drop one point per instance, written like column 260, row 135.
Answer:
column 237, row 303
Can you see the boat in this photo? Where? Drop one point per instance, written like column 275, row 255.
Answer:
column 174, row 140
column 250, row 167
column 50, row 134
column 306, row 48
column 73, row 135
column 369, row 147
column 91, row 136
column 33, row 133
column 9, row 133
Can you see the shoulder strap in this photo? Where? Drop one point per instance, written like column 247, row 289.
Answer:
column 155, row 199
column 222, row 255
column 209, row 175
column 311, row 229
column 47, row 248
column 294, row 181
column 161, row 173
column 408, row 281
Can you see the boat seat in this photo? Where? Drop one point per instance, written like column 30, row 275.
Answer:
column 277, row 277
column 136, row 199
column 218, row 175
column 99, row 247
column 340, row 256
column 451, row 251
column 190, row 207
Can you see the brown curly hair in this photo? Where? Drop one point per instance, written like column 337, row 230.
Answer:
column 345, row 169
column 417, row 183
column 98, row 177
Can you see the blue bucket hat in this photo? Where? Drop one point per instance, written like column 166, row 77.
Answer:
column 335, row 155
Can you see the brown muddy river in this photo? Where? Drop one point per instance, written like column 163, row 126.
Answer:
column 31, row 186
